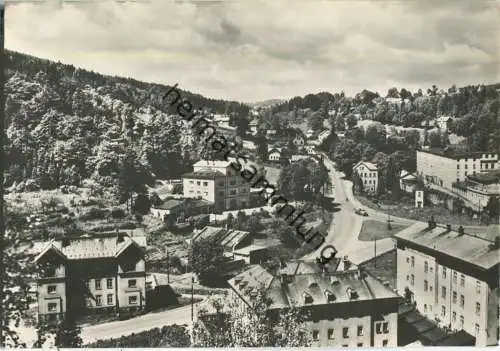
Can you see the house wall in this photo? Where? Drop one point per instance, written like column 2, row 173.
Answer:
column 444, row 171
column 368, row 177
column 139, row 291
column 447, row 309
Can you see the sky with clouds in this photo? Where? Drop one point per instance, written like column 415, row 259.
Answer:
column 258, row 50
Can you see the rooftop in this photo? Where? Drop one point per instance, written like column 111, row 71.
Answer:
column 173, row 203
column 492, row 177
column 310, row 288
column 87, row 247
column 226, row 237
column 210, row 164
column 204, row 174
column 477, row 250
column 453, row 153
column 369, row 165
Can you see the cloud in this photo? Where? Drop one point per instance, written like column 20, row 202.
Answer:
column 257, row 50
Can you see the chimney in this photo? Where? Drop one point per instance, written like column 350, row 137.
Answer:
column 120, row 237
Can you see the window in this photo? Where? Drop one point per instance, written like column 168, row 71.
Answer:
column 359, row 344
column 458, row 166
column 407, row 260
column 426, row 285
column 476, row 327
column 205, row 183
column 330, row 334
column 478, row 287
column 109, row 283
column 378, row 328
column 455, row 275
column 51, row 289
column 221, row 193
column 407, row 277
column 425, row 308
column 444, row 272
column 478, row 308
column 110, row 299
column 232, row 182
column 385, row 342
column 462, row 300
column 443, row 292
column 412, row 282
column 461, row 321
column 426, row 267
column 315, row 334
column 98, row 300
column 465, row 166
column 191, row 182
column 385, row 327
column 443, row 311
column 132, row 283
column 132, row 300
column 98, row 284
column 360, row 330
column 198, row 183
column 454, row 297
column 232, row 192
column 454, row 317
column 52, row 307
column 87, row 284
column 462, row 280
column 345, row 332
column 412, row 261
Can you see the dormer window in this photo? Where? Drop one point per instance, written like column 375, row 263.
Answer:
column 243, row 284
column 330, row 297
column 237, row 280
column 351, row 294
column 313, row 285
column 308, row 298
column 128, row 267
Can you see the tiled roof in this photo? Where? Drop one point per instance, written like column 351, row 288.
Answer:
column 89, row 247
column 369, row 165
column 470, row 248
column 209, row 164
column 453, row 153
column 307, row 289
column 173, row 203
column 227, row 238
column 204, row 174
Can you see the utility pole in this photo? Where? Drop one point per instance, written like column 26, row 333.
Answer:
column 192, row 297
column 375, row 254
column 168, row 266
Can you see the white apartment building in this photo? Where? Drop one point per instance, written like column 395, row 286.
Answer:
column 368, row 172
column 217, row 182
column 445, row 167
column 452, row 278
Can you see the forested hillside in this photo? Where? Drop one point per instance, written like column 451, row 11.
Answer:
column 65, row 125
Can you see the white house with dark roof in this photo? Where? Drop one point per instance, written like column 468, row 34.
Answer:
column 368, row 172
column 348, row 307
column 217, row 182
column 274, row 154
column 91, row 274
column 407, row 181
column 452, row 276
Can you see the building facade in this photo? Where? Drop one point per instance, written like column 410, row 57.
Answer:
column 368, row 172
column 445, row 167
column 217, row 182
column 452, row 277
column 348, row 308
column 89, row 275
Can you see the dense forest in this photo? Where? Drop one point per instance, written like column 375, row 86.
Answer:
column 66, row 125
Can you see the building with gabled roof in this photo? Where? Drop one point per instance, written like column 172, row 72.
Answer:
column 368, row 172
column 217, row 182
column 452, row 277
column 346, row 306
column 229, row 239
column 88, row 274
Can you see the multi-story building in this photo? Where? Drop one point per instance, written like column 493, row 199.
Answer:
column 347, row 307
column 477, row 190
column 217, row 182
column 368, row 172
column 452, row 277
column 443, row 167
column 90, row 275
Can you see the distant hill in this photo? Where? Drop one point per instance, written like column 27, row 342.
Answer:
column 65, row 125
column 266, row 103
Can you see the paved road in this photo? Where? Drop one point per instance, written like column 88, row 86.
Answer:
column 345, row 227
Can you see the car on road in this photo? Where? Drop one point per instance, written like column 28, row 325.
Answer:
column 361, row 212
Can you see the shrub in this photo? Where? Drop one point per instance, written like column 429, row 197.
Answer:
column 168, row 336
column 95, row 213
column 117, row 213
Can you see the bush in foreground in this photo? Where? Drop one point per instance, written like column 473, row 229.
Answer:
column 168, row 336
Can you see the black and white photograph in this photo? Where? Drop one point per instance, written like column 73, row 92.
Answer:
column 265, row 173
